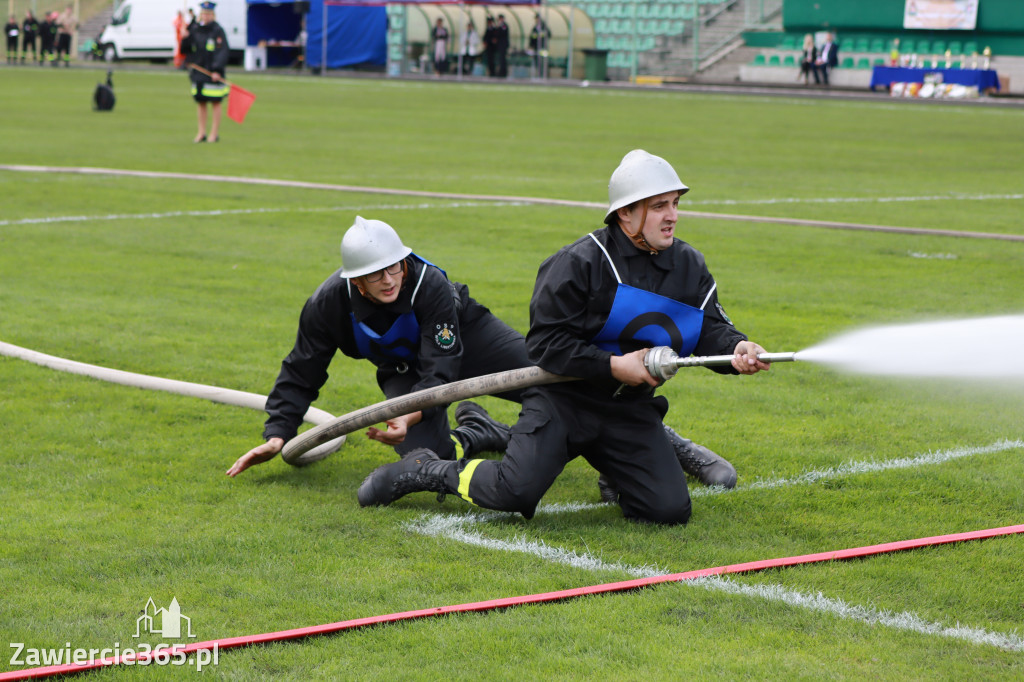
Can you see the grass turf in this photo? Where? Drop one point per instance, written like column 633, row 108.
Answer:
column 113, row 495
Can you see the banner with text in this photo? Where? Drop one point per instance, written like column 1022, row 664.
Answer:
column 960, row 15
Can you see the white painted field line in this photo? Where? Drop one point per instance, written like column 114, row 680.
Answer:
column 541, row 201
column 457, row 528
column 851, row 468
column 854, row 200
column 815, row 475
column 1008, row 641
column 246, row 211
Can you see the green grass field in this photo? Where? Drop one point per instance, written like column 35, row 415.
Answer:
column 112, row 495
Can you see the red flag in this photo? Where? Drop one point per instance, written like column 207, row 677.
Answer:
column 239, row 101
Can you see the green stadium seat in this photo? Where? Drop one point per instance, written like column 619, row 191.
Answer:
column 602, row 26
column 970, row 47
column 923, row 47
column 861, row 45
column 956, row 47
column 956, row 65
column 863, row 63
column 758, row 60
column 939, row 47
column 879, row 61
column 877, row 45
column 788, row 43
column 774, row 60
column 647, row 43
column 847, row 63
column 789, row 60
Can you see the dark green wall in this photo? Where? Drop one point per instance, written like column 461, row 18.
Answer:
column 996, row 16
column 1000, row 22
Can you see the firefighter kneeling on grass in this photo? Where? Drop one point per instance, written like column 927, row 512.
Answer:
column 205, row 45
column 597, row 306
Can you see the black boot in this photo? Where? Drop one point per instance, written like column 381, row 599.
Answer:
column 700, row 462
column 478, row 431
column 609, row 493
column 696, row 460
column 418, row 471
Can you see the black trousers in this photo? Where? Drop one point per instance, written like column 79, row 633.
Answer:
column 64, row 45
column 623, row 439
column 488, row 345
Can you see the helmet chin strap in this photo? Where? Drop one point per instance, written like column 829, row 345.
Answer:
column 638, row 237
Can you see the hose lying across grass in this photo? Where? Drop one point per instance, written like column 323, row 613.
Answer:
column 215, row 394
column 494, row 604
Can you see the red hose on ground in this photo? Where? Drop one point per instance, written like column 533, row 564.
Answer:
column 490, row 605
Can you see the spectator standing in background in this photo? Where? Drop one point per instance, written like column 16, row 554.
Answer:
column 29, row 31
column 11, row 30
column 47, row 37
column 469, row 48
column 439, row 34
column 66, row 27
column 501, row 46
column 490, row 45
column 540, row 34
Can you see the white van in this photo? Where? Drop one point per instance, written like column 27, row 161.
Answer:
column 144, row 29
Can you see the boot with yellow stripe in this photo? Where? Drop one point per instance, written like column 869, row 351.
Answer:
column 419, row 471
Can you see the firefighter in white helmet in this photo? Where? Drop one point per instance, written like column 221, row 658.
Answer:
column 598, row 304
column 401, row 312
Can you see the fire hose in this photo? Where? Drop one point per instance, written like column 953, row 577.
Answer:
column 661, row 361
column 215, row 394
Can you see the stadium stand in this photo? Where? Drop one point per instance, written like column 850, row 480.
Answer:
column 867, row 37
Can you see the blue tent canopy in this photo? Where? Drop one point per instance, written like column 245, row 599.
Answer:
column 356, row 29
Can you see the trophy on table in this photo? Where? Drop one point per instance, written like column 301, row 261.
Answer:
column 988, row 58
column 949, row 59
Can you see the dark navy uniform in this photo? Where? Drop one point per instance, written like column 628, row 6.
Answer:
column 206, row 46
column 29, row 31
column 433, row 334
column 594, row 298
column 47, row 39
column 11, row 30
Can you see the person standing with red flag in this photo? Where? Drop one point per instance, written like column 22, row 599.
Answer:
column 205, row 45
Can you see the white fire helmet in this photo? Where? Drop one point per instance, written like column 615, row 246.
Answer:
column 369, row 246
column 641, row 175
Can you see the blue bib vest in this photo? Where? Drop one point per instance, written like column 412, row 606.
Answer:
column 400, row 343
column 643, row 319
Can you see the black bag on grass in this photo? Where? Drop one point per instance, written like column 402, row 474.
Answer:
column 103, row 99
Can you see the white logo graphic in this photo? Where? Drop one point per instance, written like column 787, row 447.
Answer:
column 170, row 620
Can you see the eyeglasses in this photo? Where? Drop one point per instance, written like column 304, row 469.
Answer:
column 379, row 275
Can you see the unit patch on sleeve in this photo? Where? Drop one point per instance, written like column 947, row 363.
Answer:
column 445, row 337
column 721, row 311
